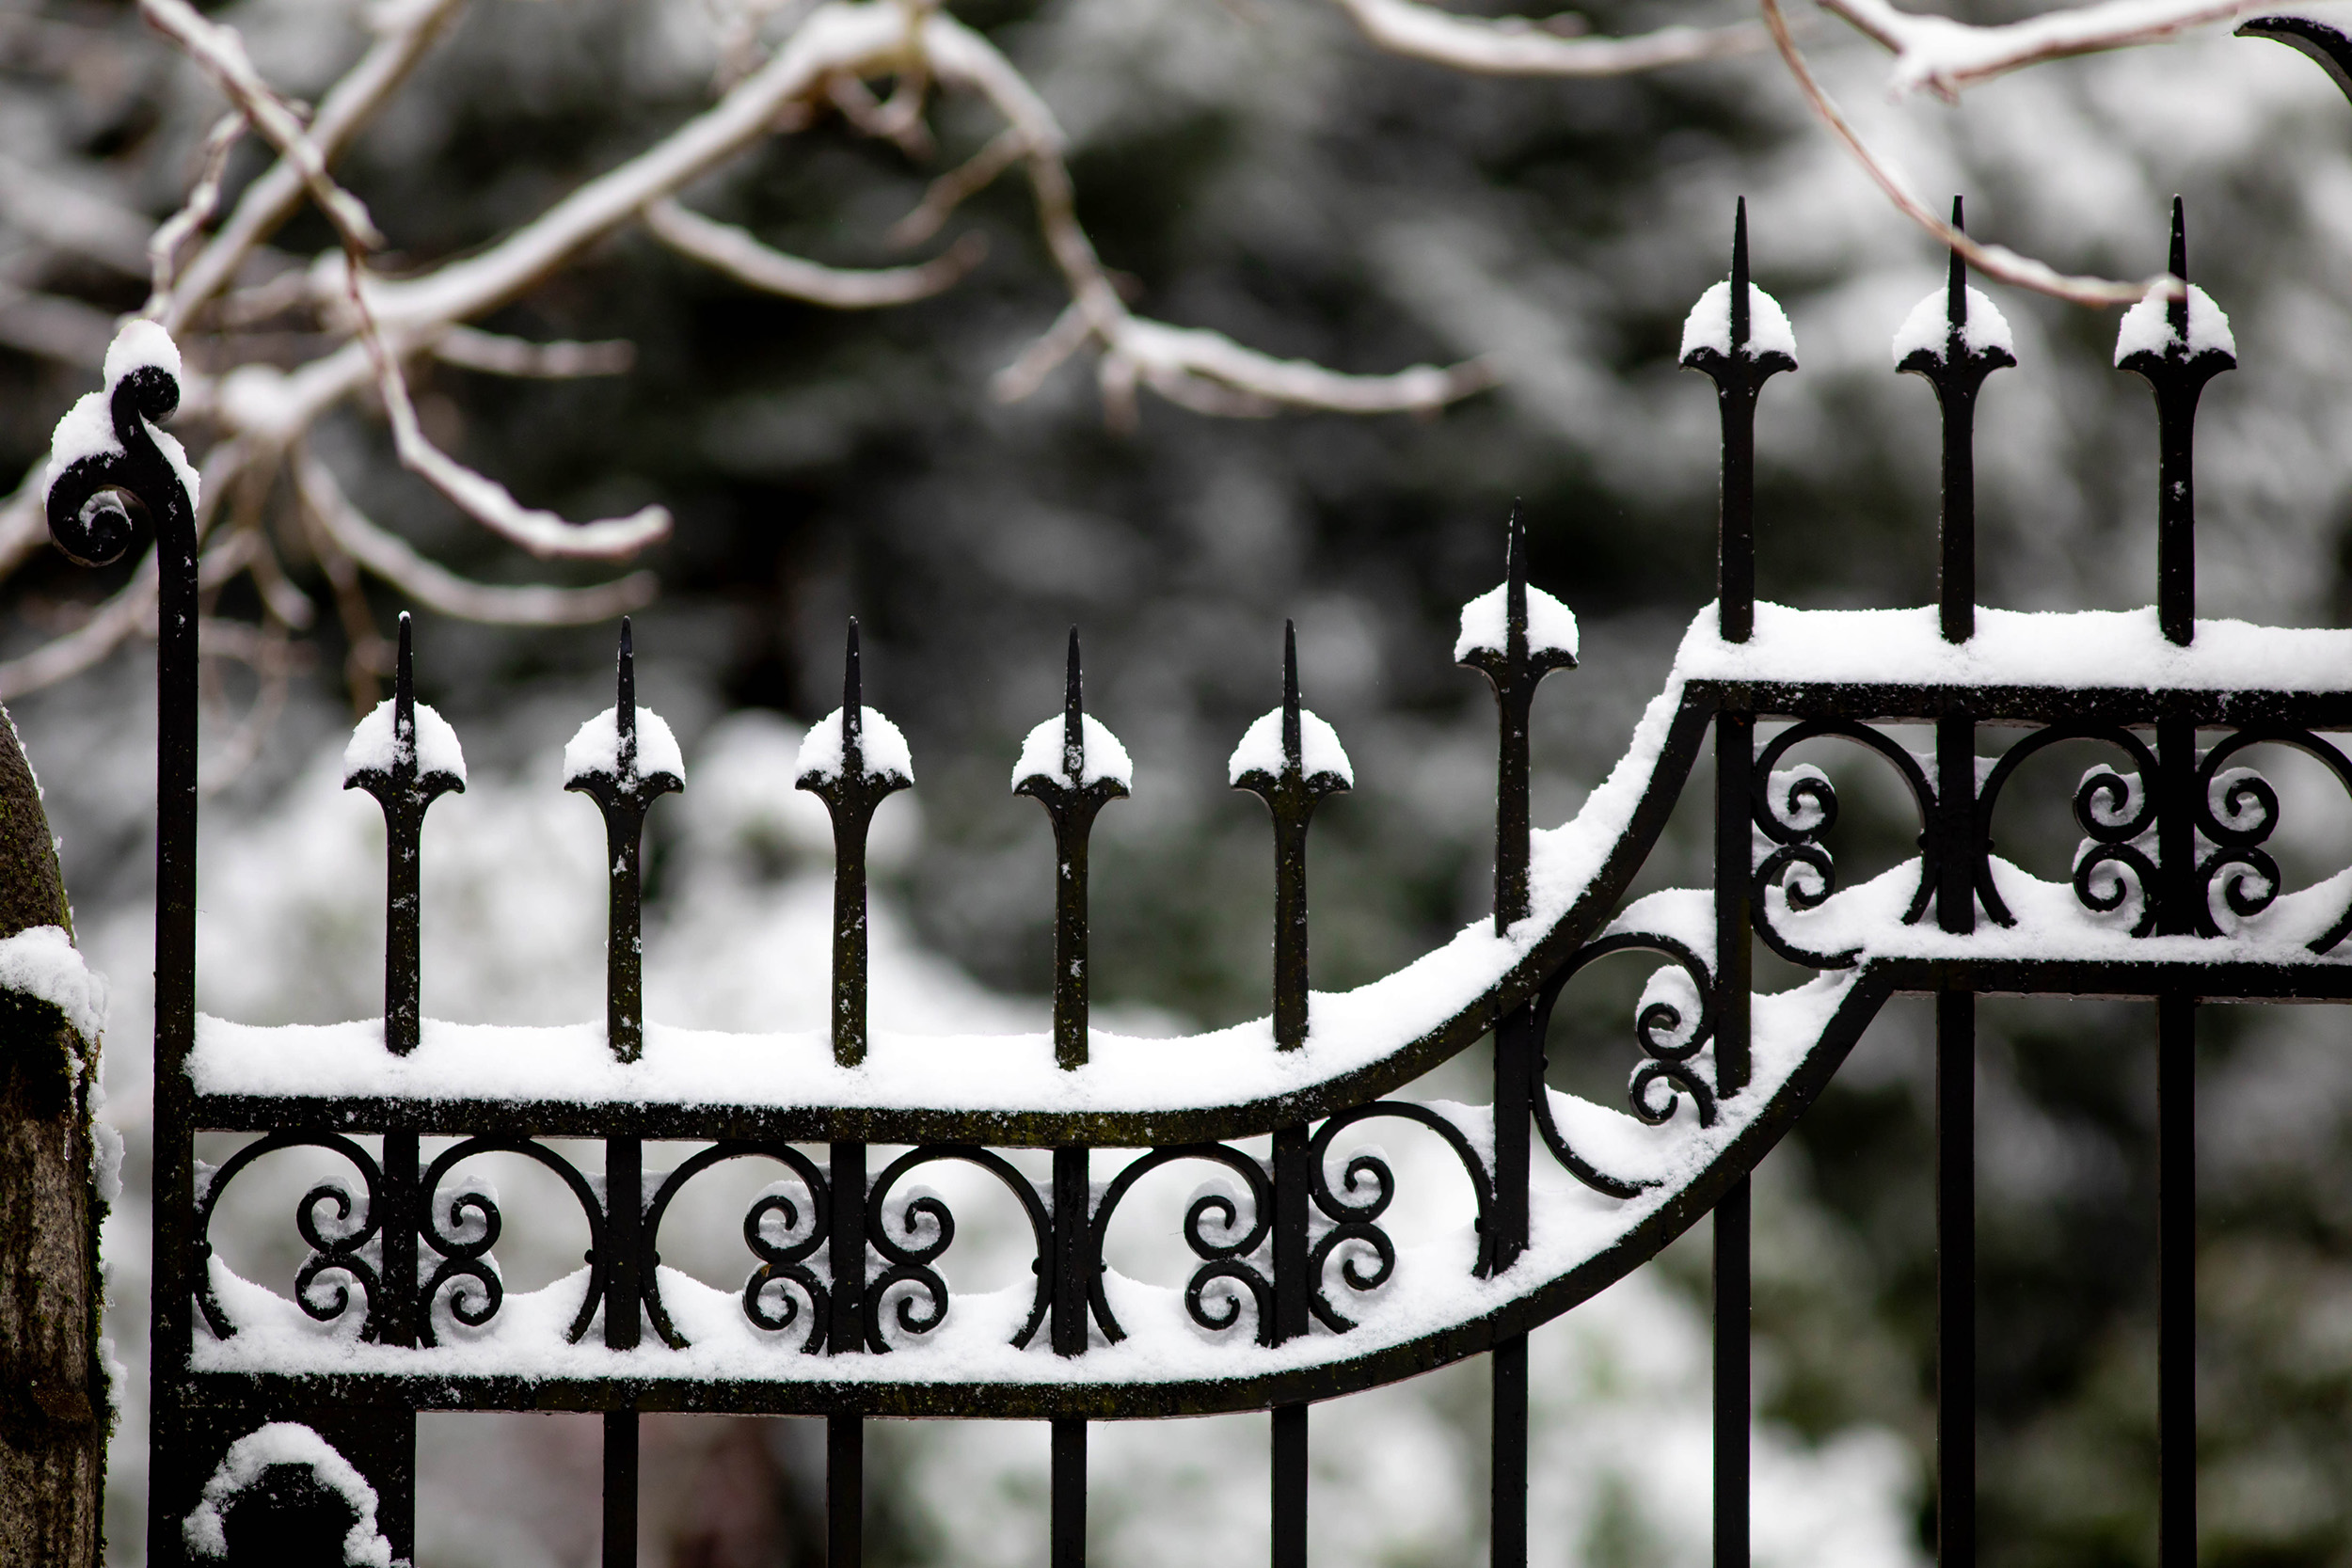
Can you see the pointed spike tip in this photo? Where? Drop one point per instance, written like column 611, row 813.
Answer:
column 1739, row 284
column 1956, row 281
column 852, row 696
column 1073, row 745
column 1293, row 740
column 2176, row 309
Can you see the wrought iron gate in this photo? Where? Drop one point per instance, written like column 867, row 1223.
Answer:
column 1299, row 1293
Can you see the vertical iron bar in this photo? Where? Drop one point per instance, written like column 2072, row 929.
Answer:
column 1070, row 1492
column 620, row 1489
column 2176, row 477
column 1514, row 671
column 1507, row 1540
column 174, row 1254
column 1954, row 844
column 848, row 877
column 1735, row 759
column 1290, row 1485
column 845, row 1491
column 2176, row 1279
column 1731, row 1378
column 1291, row 1290
column 1955, row 1278
column 846, row 1250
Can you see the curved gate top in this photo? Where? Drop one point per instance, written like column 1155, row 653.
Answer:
column 1297, row 1293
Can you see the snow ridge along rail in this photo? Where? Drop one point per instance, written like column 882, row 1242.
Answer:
column 1298, row 1290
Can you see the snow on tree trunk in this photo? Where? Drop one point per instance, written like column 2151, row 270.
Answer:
column 54, row 1411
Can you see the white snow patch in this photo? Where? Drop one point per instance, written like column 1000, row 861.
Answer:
column 1926, row 330
column 1550, row 625
column 1260, row 749
column 374, row 744
column 596, row 748
column 882, row 748
column 88, row 429
column 1709, row 324
column 1106, row 758
column 41, row 961
column 2147, row 328
column 206, row 1530
column 140, row 345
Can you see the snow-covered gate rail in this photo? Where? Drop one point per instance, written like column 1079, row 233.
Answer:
column 266, row 1406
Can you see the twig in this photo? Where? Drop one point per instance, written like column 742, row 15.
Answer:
column 1515, row 46
column 1944, row 56
column 1160, row 355
column 745, row 259
column 956, row 187
column 1991, row 260
column 163, row 246
column 221, row 53
column 435, row 587
column 494, row 354
column 274, row 195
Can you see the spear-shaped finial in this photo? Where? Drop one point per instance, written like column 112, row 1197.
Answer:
column 1092, row 771
column 1738, row 353
column 836, row 767
column 2176, row 349
column 623, row 768
column 1973, row 342
column 1291, row 785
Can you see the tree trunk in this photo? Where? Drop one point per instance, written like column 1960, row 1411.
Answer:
column 54, row 1412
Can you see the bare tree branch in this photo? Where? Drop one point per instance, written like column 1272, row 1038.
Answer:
column 1992, row 260
column 435, row 587
column 1162, row 356
column 492, row 505
column 1944, row 56
column 745, row 259
column 221, row 53
column 1517, row 46
column 495, row 354
column 272, row 198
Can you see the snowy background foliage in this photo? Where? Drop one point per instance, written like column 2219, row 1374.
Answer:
column 1253, row 168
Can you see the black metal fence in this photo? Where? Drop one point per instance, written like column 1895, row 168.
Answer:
column 1298, row 1293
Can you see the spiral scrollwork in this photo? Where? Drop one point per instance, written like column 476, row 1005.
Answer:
column 1220, row 1232
column 2237, row 811
column 1367, row 1187
column 783, row 1271
column 465, row 1267
column 909, row 1289
column 1795, row 811
column 2116, row 810
column 342, row 1249
column 1673, row 1023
